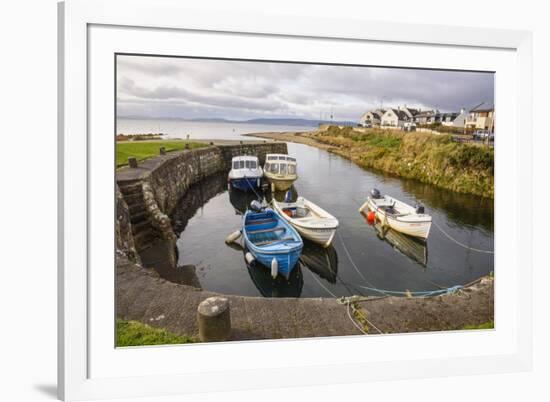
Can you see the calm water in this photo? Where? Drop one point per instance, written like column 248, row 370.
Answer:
column 198, row 130
column 360, row 257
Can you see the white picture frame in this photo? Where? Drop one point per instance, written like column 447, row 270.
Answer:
column 80, row 34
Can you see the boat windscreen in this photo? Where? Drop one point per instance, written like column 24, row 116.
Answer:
column 238, row 164
column 274, row 168
column 291, row 169
column 283, row 169
column 250, row 164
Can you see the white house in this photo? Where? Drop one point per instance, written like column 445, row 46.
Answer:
column 482, row 117
column 427, row 116
column 372, row 117
column 454, row 119
column 395, row 118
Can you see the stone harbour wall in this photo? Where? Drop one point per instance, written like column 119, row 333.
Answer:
column 170, row 180
column 152, row 191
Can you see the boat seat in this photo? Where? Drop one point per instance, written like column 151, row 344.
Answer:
column 265, row 230
column 260, row 221
column 264, row 243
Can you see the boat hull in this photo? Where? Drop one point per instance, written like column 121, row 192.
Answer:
column 246, row 183
column 280, row 184
column 286, row 261
column 322, row 232
column 323, row 237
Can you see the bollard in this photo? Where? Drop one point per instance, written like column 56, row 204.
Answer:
column 132, row 162
column 214, row 319
column 211, row 143
column 162, row 150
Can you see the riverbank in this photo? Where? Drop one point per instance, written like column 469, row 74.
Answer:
column 431, row 159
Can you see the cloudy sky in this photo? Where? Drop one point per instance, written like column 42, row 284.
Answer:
column 239, row 90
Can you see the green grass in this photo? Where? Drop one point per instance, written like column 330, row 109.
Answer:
column 134, row 333
column 485, row 325
column 146, row 149
column 433, row 159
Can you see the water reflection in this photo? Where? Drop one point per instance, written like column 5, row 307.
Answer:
column 196, row 196
column 240, row 200
column 415, row 249
column 320, row 261
column 463, row 209
column 278, row 287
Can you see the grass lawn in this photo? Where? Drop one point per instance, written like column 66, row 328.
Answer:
column 486, row 325
column 146, row 149
column 134, row 333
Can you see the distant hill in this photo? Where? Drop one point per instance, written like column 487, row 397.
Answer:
column 267, row 121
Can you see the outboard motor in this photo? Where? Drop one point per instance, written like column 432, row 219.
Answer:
column 256, row 206
column 419, row 208
column 375, row 193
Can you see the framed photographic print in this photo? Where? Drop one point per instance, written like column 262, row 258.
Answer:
column 244, row 199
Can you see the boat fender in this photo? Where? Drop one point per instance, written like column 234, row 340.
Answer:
column 233, row 236
column 249, row 258
column 419, row 208
column 274, row 268
column 370, row 217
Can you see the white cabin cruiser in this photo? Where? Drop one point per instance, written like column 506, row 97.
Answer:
column 280, row 171
column 246, row 173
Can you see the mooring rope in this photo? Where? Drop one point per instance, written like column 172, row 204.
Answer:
column 323, row 286
column 424, row 293
column 355, row 310
column 253, row 189
column 461, row 244
column 351, row 259
column 354, row 322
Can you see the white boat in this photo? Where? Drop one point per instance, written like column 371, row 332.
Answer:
column 246, row 173
column 309, row 219
column 280, row 171
column 398, row 215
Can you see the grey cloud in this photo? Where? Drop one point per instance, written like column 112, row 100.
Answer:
column 170, row 87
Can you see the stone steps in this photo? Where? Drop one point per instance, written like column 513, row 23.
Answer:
column 145, row 239
column 144, row 233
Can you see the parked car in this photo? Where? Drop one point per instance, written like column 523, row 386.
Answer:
column 483, row 135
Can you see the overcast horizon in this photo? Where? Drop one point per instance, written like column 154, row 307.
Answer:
column 166, row 87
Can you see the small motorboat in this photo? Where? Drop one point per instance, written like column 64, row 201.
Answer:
column 271, row 241
column 412, row 221
column 280, row 171
column 309, row 219
column 246, row 173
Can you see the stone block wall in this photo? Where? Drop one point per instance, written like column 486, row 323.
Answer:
column 171, row 179
column 152, row 191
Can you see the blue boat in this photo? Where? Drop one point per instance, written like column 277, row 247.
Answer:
column 246, row 173
column 271, row 240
